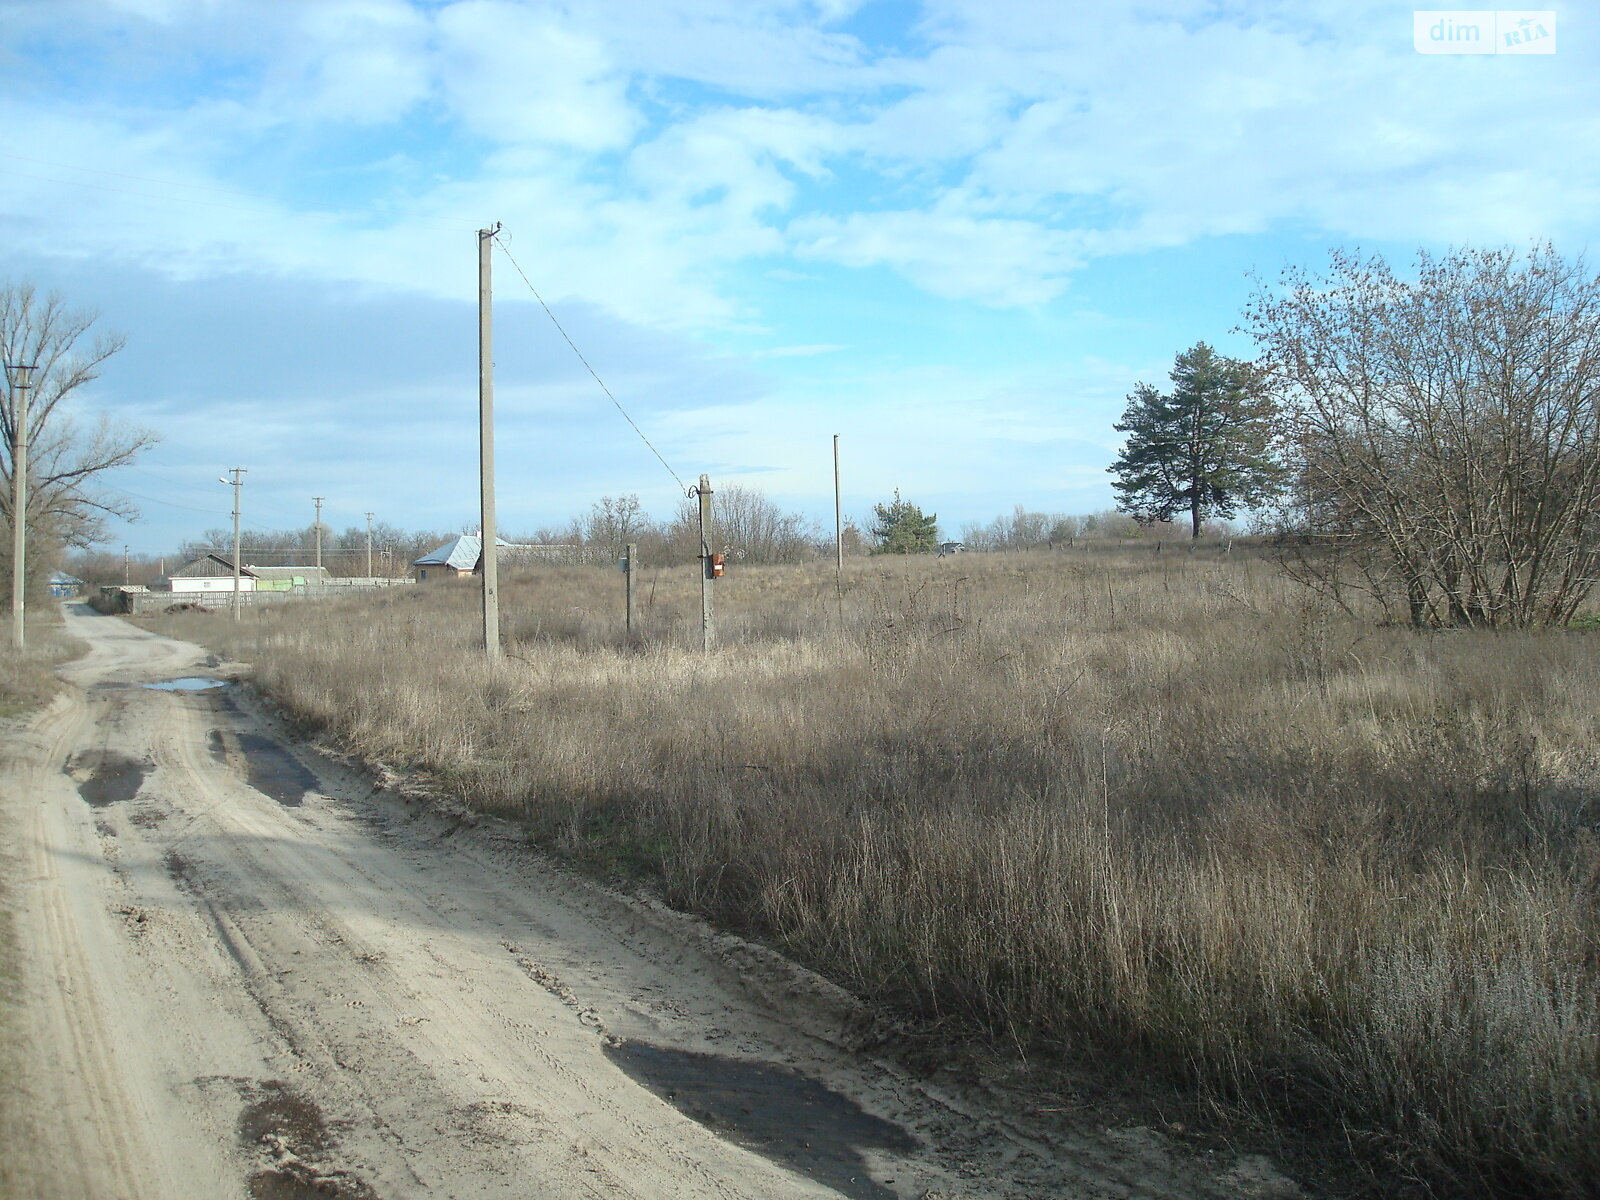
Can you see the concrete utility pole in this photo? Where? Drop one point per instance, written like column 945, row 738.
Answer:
column 21, row 383
column 369, row 545
column 238, row 482
column 707, row 623
column 630, row 555
column 491, row 573
column 318, row 528
column 838, row 510
column 126, row 572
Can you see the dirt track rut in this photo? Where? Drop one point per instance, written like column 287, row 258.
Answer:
column 251, row 972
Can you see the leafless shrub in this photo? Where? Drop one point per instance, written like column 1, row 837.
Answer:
column 1446, row 430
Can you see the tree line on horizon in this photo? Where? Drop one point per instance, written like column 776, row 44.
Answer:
column 1430, row 443
column 748, row 525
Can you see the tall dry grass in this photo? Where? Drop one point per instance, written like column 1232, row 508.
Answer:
column 27, row 676
column 1165, row 806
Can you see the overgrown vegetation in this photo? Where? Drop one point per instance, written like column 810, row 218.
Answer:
column 1169, row 805
column 28, row 678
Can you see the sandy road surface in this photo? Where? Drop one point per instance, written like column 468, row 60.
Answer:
column 250, row 972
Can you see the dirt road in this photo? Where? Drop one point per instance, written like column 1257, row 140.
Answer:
column 250, row 971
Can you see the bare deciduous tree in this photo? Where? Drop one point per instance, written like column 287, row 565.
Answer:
column 614, row 521
column 1446, row 431
column 747, row 524
column 65, row 459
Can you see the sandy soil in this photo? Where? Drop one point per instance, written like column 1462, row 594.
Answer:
column 251, row 970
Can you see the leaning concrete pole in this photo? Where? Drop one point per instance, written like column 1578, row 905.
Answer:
column 21, row 382
column 491, row 574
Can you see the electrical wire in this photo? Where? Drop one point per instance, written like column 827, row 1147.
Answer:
column 559, row 329
column 210, row 512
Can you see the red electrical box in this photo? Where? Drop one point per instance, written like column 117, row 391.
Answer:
column 716, row 565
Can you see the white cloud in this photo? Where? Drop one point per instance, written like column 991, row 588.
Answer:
column 518, row 73
column 621, row 141
column 995, row 261
column 354, row 60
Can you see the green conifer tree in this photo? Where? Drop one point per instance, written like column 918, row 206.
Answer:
column 903, row 528
column 1205, row 449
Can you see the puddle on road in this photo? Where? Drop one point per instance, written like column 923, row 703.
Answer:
column 107, row 778
column 292, row 1130
column 268, row 767
column 784, row 1116
column 188, row 684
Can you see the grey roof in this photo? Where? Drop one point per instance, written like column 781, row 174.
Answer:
column 207, row 567
column 462, row 554
column 63, row 577
column 319, row 574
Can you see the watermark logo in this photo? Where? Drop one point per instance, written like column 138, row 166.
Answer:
column 1473, row 31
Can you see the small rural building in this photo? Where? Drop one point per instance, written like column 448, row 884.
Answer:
column 948, row 548
column 284, row 579
column 62, row 584
column 456, row 558
column 210, row 573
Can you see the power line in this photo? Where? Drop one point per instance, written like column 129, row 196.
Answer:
column 681, row 485
column 210, row 512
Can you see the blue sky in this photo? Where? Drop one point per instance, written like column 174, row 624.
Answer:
column 954, row 232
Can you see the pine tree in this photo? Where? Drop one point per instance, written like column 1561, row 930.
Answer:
column 903, row 528
column 1205, row 449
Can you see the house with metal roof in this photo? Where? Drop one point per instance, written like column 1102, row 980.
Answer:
column 456, row 558
column 62, row 584
column 214, row 573
column 208, row 573
column 464, row 556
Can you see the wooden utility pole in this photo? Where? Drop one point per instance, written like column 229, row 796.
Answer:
column 707, row 623
column 318, row 528
column 21, row 383
column 238, row 482
column 838, row 514
column 630, row 555
column 369, row 545
column 491, row 574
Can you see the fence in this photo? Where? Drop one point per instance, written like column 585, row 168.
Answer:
column 137, row 601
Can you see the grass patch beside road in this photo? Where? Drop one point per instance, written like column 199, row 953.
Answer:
column 1165, row 808
column 27, row 682
column 28, row 679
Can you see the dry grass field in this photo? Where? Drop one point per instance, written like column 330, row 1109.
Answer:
column 1169, row 806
